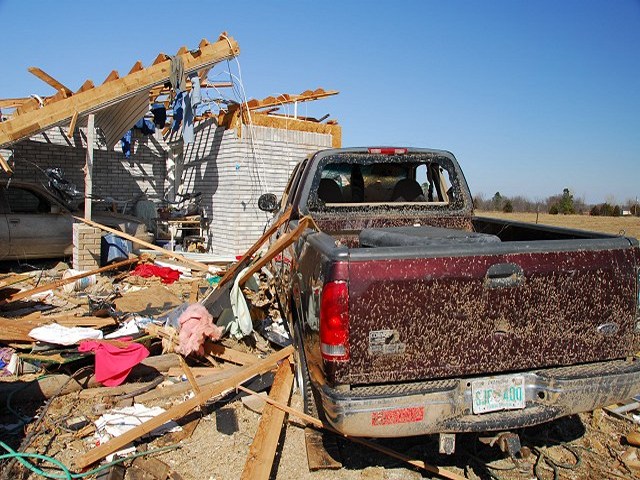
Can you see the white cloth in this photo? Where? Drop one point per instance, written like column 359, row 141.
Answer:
column 120, row 420
column 237, row 322
column 61, row 335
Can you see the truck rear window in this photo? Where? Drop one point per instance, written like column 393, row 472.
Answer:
column 384, row 182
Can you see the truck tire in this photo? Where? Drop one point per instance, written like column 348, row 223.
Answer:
column 302, row 376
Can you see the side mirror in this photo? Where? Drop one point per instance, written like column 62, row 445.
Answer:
column 268, row 202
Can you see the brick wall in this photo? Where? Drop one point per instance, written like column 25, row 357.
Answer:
column 231, row 172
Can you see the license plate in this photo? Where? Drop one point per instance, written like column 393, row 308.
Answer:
column 502, row 393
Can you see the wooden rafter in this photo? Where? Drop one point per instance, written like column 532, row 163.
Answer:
column 49, row 80
column 12, row 102
column 287, row 98
column 32, row 120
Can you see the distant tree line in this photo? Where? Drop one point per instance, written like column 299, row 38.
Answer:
column 564, row 204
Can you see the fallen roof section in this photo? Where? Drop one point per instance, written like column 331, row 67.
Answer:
column 120, row 101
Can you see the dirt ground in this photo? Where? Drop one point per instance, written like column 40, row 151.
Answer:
column 588, row 446
column 629, row 226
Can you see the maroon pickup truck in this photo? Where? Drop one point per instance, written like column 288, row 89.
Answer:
column 411, row 315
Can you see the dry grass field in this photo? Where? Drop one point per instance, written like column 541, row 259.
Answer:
column 628, row 226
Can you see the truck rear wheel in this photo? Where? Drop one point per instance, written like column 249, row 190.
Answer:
column 302, row 376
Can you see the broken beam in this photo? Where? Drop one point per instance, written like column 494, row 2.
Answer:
column 282, row 243
column 65, row 281
column 49, row 80
column 183, row 408
column 197, row 265
column 31, row 122
column 231, row 273
column 5, row 165
column 265, row 443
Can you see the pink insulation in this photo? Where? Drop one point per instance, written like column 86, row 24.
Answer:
column 196, row 324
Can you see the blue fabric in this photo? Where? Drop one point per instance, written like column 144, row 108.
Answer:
column 196, row 96
column 159, row 114
column 187, row 128
column 178, row 111
column 146, row 126
column 126, row 144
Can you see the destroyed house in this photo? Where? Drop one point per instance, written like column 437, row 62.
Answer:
column 237, row 151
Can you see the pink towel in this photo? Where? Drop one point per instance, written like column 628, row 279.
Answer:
column 113, row 364
column 196, row 324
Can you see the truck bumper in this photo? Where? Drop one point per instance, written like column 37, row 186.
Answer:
column 446, row 405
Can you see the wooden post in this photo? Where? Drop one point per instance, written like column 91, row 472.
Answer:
column 88, row 168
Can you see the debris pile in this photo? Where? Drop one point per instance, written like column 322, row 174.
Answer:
column 116, row 374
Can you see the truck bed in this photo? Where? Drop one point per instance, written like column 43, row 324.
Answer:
column 431, row 303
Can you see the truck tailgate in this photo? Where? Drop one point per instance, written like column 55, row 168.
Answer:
column 440, row 316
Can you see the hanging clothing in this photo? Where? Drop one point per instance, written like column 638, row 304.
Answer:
column 125, row 142
column 145, row 126
column 178, row 111
column 114, row 362
column 191, row 102
column 159, row 115
column 177, row 76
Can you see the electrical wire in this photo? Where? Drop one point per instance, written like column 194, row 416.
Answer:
column 66, row 473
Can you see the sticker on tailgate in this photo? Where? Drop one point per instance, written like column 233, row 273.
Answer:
column 385, row 342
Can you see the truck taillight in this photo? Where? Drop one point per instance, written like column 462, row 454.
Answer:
column 388, row 151
column 334, row 321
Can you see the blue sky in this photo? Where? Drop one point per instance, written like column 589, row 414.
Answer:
column 531, row 96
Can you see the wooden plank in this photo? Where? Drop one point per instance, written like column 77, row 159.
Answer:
column 12, row 102
column 5, row 165
column 72, row 125
column 136, row 67
column 29, row 106
column 87, row 85
column 374, row 446
column 189, row 375
column 231, row 273
column 183, row 408
column 162, row 57
column 318, row 456
column 30, row 123
column 114, row 75
column 265, row 443
column 65, row 281
column 229, row 354
column 49, row 80
column 282, row 243
column 197, row 265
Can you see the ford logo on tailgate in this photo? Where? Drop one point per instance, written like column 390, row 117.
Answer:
column 608, row 329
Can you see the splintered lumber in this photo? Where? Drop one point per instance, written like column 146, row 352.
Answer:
column 49, row 80
column 319, row 447
column 231, row 273
column 263, row 449
column 90, row 101
column 65, row 281
column 183, row 408
column 221, row 373
column 5, row 165
column 374, row 446
column 197, row 265
column 280, row 244
column 229, row 354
